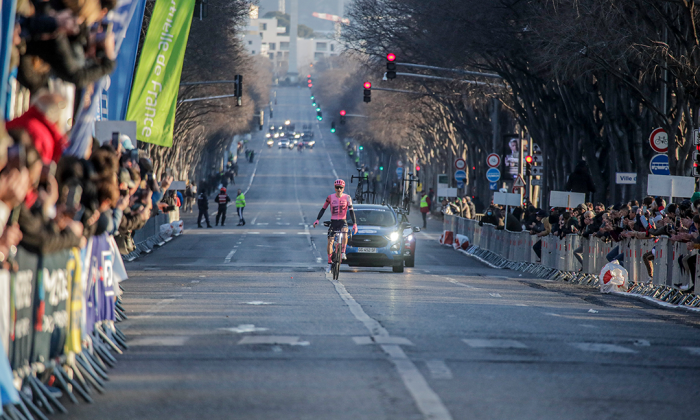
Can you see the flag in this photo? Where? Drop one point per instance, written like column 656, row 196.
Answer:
column 154, row 92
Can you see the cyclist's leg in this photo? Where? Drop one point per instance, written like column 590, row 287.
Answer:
column 345, row 239
column 329, row 248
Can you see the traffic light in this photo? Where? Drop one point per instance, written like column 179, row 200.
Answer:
column 368, row 92
column 313, row 103
column 238, row 89
column 312, row 97
column 381, row 168
column 318, row 108
column 332, row 126
column 342, row 116
column 319, row 115
column 528, row 165
column 417, row 170
column 391, row 66
column 696, row 162
column 362, row 148
column 308, row 81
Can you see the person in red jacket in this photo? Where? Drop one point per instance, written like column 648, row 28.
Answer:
column 42, row 123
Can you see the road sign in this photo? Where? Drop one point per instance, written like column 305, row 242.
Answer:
column 493, row 175
column 519, row 182
column 537, row 170
column 696, row 137
column 658, row 165
column 536, row 148
column 659, row 140
column 625, row 178
column 460, row 164
column 536, row 182
column 538, row 158
column 493, row 160
column 493, row 186
column 460, row 184
column 460, row 176
column 399, row 171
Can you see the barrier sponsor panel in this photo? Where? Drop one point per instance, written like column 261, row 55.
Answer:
column 668, row 260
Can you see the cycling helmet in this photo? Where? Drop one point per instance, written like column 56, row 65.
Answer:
column 223, row 189
column 340, row 182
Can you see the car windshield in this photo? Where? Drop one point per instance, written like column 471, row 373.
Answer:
column 374, row 217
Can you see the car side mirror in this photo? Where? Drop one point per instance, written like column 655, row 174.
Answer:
column 416, row 229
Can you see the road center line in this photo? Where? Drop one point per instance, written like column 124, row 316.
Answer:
column 229, row 256
column 428, row 402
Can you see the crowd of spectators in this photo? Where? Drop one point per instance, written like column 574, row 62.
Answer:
column 51, row 201
column 649, row 219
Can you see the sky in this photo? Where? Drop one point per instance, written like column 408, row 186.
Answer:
column 306, row 7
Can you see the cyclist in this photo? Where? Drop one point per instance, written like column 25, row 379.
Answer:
column 340, row 204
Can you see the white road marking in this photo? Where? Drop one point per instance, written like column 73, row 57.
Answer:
column 695, row 351
column 269, row 339
column 258, row 302
column 202, row 276
column 159, row 341
column 244, row 328
column 602, row 348
column 641, row 343
column 382, row 340
column 254, row 233
column 229, row 256
column 483, row 343
column 428, row 402
column 279, row 233
column 520, row 304
column 438, row 369
column 261, row 224
column 303, row 233
column 592, row 311
column 588, row 326
column 495, row 295
column 252, row 177
column 455, row 282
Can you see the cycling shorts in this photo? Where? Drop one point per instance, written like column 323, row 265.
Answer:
column 337, row 226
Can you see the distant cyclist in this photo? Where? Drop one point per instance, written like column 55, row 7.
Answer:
column 340, row 204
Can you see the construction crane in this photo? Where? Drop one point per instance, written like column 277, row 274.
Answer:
column 332, row 18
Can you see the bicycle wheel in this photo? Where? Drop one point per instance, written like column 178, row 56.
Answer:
column 336, row 263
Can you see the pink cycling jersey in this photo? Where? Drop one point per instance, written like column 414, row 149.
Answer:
column 339, row 206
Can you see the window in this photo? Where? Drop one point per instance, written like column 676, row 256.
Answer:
column 319, row 55
column 272, row 46
column 321, row 46
column 263, row 26
column 271, row 55
column 253, row 52
column 332, row 47
column 250, row 42
column 284, row 45
column 279, row 54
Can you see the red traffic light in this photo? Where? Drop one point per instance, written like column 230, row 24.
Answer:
column 342, row 112
column 308, row 77
column 528, row 159
column 311, row 85
column 417, row 168
column 367, row 85
column 391, row 57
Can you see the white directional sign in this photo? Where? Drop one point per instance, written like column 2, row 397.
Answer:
column 625, row 178
column 493, row 160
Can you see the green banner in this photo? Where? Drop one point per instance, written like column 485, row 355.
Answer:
column 157, row 80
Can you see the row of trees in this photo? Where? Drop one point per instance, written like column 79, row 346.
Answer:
column 586, row 79
column 204, row 129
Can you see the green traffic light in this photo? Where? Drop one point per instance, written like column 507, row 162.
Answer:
column 313, row 104
column 312, row 97
column 362, row 148
column 318, row 109
column 381, row 168
column 332, row 130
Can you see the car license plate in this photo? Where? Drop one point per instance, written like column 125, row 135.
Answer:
column 368, row 250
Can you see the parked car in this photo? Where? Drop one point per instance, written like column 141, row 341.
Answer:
column 379, row 241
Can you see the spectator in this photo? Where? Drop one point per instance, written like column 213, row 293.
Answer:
column 42, row 123
column 203, row 206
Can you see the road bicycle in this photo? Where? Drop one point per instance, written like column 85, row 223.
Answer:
column 337, row 255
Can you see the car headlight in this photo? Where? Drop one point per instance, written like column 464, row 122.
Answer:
column 409, row 238
column 394, row 236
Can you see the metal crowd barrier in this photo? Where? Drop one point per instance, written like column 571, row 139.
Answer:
column 150, row 236
column 514, row 250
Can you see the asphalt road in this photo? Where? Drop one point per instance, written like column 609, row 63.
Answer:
column 242, row 323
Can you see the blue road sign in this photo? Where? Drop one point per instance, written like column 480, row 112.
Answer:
column 399, row 171
column 493, row 175
column 460, row 184
column 460, row 176
column 659, row 165
column 493, row 186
